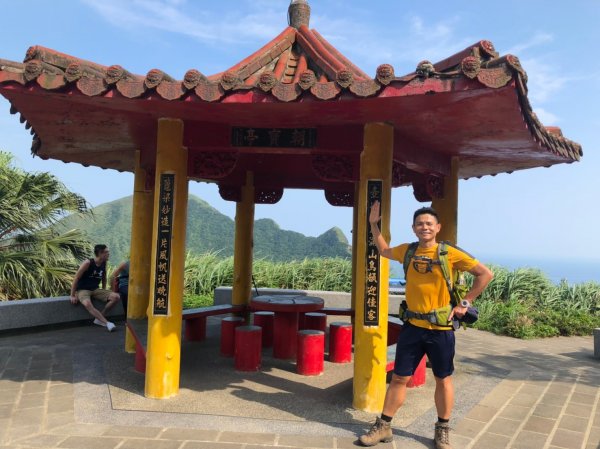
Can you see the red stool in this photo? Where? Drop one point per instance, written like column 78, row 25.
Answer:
column 248, row 346
column 340, row 342
column 228, row 326
column 315, row 321
column 195, row 329
column 418, row 378
column 311, row 349
column 265, row 321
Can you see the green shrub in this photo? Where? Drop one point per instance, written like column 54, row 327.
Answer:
column 194, row 301
column 569, row 322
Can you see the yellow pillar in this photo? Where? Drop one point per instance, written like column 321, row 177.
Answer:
column 163, row 353
column 447, row 207
column 141, row 249
column 244, row 244
column 370, row 342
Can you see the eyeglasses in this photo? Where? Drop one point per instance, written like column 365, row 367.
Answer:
column 423, row 264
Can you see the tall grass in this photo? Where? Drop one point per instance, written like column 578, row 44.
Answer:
column 203, row 273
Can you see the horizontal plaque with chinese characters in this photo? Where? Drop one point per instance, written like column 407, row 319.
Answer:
column 372, row 287
column 274, row 137
column 163, row 244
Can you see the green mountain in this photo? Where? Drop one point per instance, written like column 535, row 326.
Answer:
column 208, row 230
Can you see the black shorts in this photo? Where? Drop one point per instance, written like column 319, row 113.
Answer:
column 414, row 342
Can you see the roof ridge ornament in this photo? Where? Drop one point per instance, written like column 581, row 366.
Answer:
column 298, row 13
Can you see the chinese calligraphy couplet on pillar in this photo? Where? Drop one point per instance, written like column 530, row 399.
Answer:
column 163, row 244
column 372, row 287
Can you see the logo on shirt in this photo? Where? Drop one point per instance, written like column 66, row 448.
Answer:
column 424, row 264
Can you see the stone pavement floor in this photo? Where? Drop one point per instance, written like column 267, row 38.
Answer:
column 545, row 395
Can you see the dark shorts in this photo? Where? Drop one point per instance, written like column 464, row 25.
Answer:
column 414, row 342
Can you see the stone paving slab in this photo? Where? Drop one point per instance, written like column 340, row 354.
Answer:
column 523, row 394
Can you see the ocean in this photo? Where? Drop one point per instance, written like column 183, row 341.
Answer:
column 574, row 271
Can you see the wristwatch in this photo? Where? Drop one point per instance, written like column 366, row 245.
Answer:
column 465, row 303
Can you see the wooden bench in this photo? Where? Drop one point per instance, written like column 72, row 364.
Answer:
column 195, row 319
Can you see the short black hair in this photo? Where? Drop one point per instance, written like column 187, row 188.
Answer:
column 425, row 210
column 99, row 248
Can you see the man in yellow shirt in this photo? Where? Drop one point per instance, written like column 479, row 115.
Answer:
column 426, row 291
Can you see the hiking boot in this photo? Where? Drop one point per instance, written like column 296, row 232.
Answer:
column 380, row 432
column 442, row 436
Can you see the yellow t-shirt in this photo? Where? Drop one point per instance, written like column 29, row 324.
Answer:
column 426, row 288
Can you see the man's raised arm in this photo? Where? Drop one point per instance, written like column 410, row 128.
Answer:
column 374, row 217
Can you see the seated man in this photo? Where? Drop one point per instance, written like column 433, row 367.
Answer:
column 86, row 287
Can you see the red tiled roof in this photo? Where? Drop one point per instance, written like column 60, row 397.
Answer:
column 296, row 65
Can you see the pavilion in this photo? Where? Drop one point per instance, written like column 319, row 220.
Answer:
column 295, row 114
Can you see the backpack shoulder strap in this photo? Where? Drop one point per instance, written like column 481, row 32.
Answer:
column 445, row 266
column 408, row 255
column 449, row 244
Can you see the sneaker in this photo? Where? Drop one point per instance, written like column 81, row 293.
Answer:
column 380, row 432
column 442, row 436
column 110, row 326
column 97, row 322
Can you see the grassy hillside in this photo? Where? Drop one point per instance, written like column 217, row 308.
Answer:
column 209, row 230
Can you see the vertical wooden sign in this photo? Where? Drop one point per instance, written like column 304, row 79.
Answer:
column 372, row 287
column 163, row 244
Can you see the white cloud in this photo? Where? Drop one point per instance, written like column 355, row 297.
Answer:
column 545, row 79
column 547, row 118
column 434, row 41
column 539, row 38
column 167, row 15
column 373, row 45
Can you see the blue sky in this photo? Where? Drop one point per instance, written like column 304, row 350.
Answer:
column 537, row 214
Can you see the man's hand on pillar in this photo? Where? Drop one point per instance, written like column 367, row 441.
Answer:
column 375, row 215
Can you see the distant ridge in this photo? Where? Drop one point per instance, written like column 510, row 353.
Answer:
column 209, row 230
